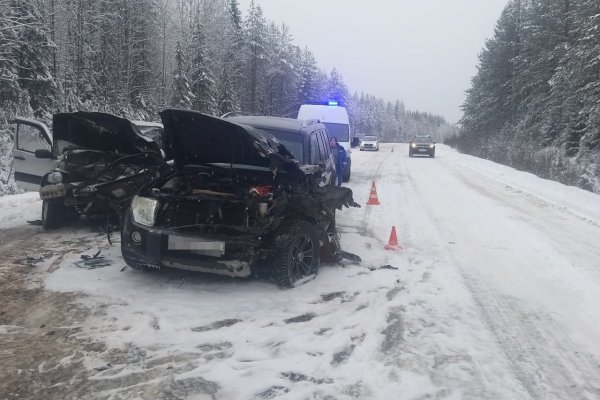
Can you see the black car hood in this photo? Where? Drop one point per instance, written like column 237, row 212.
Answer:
column 99, row 131
column 196, row 138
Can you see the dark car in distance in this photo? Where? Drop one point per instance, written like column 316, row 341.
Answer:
column 246, row 195
column 421, row 146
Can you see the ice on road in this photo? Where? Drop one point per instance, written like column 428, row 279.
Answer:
column 495, row 295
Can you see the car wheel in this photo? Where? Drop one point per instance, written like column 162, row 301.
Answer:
column 432, row 155
column 347, row 172
column 410, row 154
column 296, row 255
column 53, row 213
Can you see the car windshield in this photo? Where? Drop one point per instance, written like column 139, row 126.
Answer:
column 422, row 139
column 291, row 141
column 152, row 132
column 370, row 138
column 339, row 131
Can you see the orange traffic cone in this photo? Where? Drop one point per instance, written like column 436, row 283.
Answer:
column 373, row 199
column 393, row 242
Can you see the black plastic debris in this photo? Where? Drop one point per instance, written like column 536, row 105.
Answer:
column 33, row 260
column 92, row 262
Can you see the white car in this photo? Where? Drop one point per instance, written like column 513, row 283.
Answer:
column 369, row 143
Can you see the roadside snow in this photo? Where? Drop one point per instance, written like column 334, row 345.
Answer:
column 17, row 209
column 582, row 203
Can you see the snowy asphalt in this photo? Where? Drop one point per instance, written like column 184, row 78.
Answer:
column 495, row 295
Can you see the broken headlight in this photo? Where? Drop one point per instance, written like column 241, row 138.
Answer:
column 144, row 210
column 54, row 178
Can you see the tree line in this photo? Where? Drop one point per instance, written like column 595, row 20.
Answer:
column 134, row 58
column 535, row 101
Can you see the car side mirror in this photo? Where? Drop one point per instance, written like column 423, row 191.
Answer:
column 43, row 153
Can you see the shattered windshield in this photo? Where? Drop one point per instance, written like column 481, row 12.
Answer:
column 292, row 141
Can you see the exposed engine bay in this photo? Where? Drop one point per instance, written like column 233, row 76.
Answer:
column 94, row 181
column 215, row 200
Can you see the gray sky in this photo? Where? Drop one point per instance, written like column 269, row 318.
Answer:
column 423, row 52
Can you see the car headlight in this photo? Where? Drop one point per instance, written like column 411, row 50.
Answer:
column 413, row 145
column 431, row 146
column 144, row 210
column 54, row 178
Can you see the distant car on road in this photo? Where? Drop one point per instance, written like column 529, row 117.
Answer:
column 421, row 145
column 369, row 143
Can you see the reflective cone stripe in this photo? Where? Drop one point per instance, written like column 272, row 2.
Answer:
column 393, row 242
column 373, row 199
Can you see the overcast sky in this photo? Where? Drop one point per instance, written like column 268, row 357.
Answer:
column 423, row 52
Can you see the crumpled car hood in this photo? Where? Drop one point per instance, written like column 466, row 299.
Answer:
column 99, row 131
column 196, row 138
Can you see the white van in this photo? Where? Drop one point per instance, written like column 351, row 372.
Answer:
column 335, row 119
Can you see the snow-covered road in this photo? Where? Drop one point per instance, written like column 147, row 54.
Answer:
column 496, row 295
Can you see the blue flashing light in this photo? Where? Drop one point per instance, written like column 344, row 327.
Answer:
column 332, row 103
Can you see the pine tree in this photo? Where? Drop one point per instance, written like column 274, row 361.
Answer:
column 32, row 55
column 182, row 96
column 336, row 88
column 255, row 30
column 203, row 83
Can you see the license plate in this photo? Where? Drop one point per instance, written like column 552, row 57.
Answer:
column 209, row 248
column 422, row 150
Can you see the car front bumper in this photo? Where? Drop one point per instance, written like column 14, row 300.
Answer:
column 218, row 254
column 370, row 147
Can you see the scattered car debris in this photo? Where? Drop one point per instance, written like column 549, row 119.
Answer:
column 93, row 262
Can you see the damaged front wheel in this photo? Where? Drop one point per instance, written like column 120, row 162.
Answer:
column 296, row 255
column 53, row 213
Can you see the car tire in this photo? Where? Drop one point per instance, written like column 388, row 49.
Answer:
column 53, row 213
column 347, row 172
column 410, row 154
column 295, row 257
column 432, row 155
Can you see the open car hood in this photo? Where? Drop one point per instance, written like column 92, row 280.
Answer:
column 99, row 131
column 196, row 138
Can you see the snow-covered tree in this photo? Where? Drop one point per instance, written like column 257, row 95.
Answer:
column 203, row 82
column 182, row 94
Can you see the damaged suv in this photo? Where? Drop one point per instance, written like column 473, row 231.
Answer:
column 238, row 201
column 92, row 163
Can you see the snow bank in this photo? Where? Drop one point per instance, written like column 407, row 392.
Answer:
column 16, row 210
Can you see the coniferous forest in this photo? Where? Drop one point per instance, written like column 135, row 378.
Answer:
column 534, row 103
column 134, row 58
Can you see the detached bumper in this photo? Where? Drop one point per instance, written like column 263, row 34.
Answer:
column 145, row 247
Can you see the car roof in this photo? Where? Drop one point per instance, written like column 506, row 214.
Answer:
column 283, row 124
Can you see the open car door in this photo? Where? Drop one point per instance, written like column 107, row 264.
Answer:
column 30, row 137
